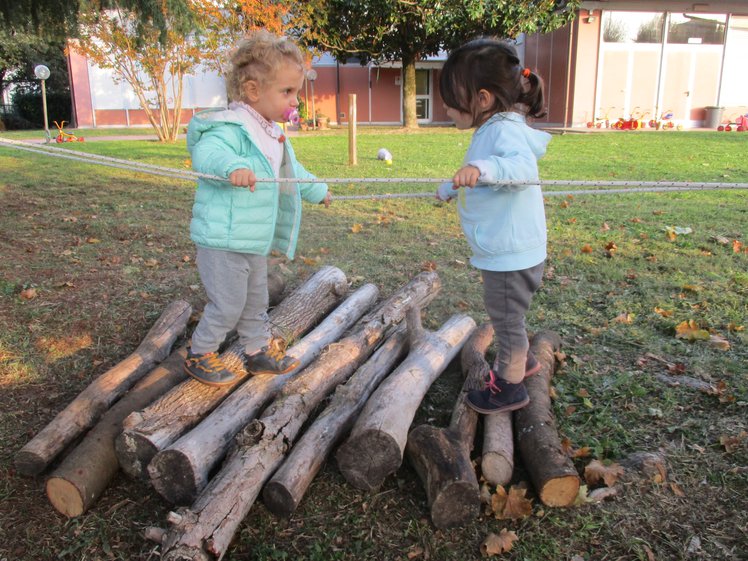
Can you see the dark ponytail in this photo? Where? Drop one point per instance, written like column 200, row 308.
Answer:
column 534, row 97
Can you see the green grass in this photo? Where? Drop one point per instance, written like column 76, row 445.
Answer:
column 107, row 250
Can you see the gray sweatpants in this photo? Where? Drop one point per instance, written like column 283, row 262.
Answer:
column 237, row 289
column 507, row 296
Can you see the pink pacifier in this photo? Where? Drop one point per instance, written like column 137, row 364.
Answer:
column 291, row 115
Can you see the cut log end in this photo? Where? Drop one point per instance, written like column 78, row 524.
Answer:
column 368, row 458
column 64, row 496
column 456, row 504
column 28, row 463
column 278, row 499
column 173, row 478
column 560, row 491
column 134, row 453
column 496, row 468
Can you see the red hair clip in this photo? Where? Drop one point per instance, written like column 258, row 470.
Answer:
column 526, row 73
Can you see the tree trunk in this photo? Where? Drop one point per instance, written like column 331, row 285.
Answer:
column 375, row 447
column 77, row 483
column 92, row 402
column 283, row 493
column 551, row 471
column 441, row 457
column 204, row 531
column 153, row 429
column 181, row 471
column 410, row 118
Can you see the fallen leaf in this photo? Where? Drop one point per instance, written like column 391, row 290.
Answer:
column 731, row 443
column 356, row 228
column 586, row 248
column 690, row 331
column 517, row 505
column 415, row 551
column 604, row 227
column 676, row 489
column 93, row 240
column 150, row 263
column 564, row 204
column 737, row 246
column 624, row 317
column 601, row 494
column 664, row 313
column 428, row 266
column 28, row 293
column 596, row 471
column 496, row 544
column 719, row 342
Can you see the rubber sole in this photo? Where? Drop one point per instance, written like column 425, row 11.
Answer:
column 509, row 407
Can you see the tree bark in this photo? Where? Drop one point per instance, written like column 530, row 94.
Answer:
column 153, row 429
column 204, row 531
column 283, row 493
column 375, row 447
column 78, row 482
column 92, row 402
column 410, row 118
column 441, row 456
column 551, row 471
column 181, row 471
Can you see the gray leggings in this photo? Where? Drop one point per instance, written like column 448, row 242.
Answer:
column 507, row 296
column 237, row 289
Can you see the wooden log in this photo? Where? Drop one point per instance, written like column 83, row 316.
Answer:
column 441, row 456
column 283, row 493
column 180, row 472
column 149, row 431
column 78, row 482
column 91, row 403
column 376, row 445
column 204, row 531
column 551, row 471
column 497, row 453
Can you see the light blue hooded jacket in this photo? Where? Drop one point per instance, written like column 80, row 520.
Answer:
column 235, row 218
column 504, row 225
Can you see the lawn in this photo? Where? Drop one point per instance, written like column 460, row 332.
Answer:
column 106, row 250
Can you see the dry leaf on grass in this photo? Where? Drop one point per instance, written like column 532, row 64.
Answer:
column 690, row 331
column 731, row 443
column 512, row 505
column 596, row 471
column 28, row 293
column 496, row 544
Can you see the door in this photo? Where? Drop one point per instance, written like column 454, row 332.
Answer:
column 423, row 95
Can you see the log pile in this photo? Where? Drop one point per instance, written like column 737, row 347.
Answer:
column 214, row 451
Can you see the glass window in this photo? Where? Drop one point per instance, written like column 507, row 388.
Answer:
column 422, row 108
column 422, row 82
column 697, row 29
column 632, row 27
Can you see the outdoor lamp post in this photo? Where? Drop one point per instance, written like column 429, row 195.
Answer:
column 42, row 72
column 311, row 75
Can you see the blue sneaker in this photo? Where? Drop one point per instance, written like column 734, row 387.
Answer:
column 498, row 395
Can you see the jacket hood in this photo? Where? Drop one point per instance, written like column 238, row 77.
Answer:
column 536, row 139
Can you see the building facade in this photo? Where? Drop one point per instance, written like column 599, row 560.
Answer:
column 649, row 60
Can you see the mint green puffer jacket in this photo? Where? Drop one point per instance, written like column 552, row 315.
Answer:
column 234, row 218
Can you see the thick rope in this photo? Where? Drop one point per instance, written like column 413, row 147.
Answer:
column 188, row 175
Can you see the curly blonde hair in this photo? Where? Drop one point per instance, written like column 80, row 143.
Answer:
column 256, row 57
